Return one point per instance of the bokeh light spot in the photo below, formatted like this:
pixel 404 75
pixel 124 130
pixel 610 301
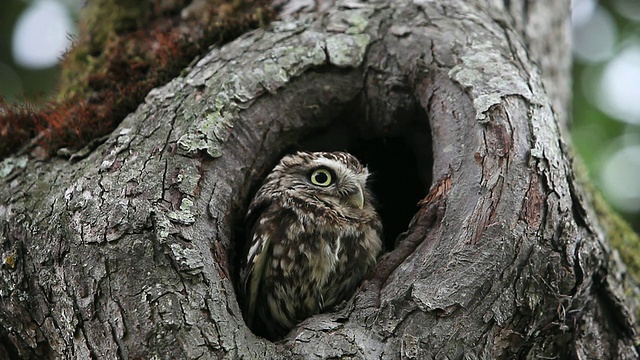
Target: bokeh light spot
pixel 620 178
pixel 41 34
pixel 594 37
pixel 619 90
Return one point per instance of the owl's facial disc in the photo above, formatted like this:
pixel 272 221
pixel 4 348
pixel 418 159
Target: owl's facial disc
pixel 356 199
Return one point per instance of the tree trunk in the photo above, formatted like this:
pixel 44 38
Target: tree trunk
pixel 131 251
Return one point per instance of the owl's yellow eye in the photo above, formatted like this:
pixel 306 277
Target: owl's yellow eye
pixel 321 177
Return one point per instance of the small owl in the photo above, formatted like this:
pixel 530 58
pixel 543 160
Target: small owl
pixel 314 234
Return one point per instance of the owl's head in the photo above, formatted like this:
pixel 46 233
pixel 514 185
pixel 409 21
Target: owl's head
pixel 336 179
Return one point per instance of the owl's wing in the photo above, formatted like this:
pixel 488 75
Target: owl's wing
pixel 255 270
pixel 256 259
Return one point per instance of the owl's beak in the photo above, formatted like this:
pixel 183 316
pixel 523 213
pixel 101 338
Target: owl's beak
pixel 356 199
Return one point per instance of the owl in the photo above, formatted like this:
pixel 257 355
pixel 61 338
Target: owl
pixel 314 234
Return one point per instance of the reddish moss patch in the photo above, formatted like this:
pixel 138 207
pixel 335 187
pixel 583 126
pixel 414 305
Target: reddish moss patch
pixel 125 49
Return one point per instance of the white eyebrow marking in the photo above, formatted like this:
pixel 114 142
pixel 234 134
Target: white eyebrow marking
pixel 337 166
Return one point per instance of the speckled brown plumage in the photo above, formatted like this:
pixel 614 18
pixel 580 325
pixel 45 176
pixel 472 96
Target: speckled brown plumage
pixel 314 234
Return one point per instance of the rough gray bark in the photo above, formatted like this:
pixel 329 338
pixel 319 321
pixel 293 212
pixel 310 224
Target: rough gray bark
pixel 129 252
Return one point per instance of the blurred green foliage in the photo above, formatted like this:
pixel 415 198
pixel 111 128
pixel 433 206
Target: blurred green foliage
pixel 596 134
